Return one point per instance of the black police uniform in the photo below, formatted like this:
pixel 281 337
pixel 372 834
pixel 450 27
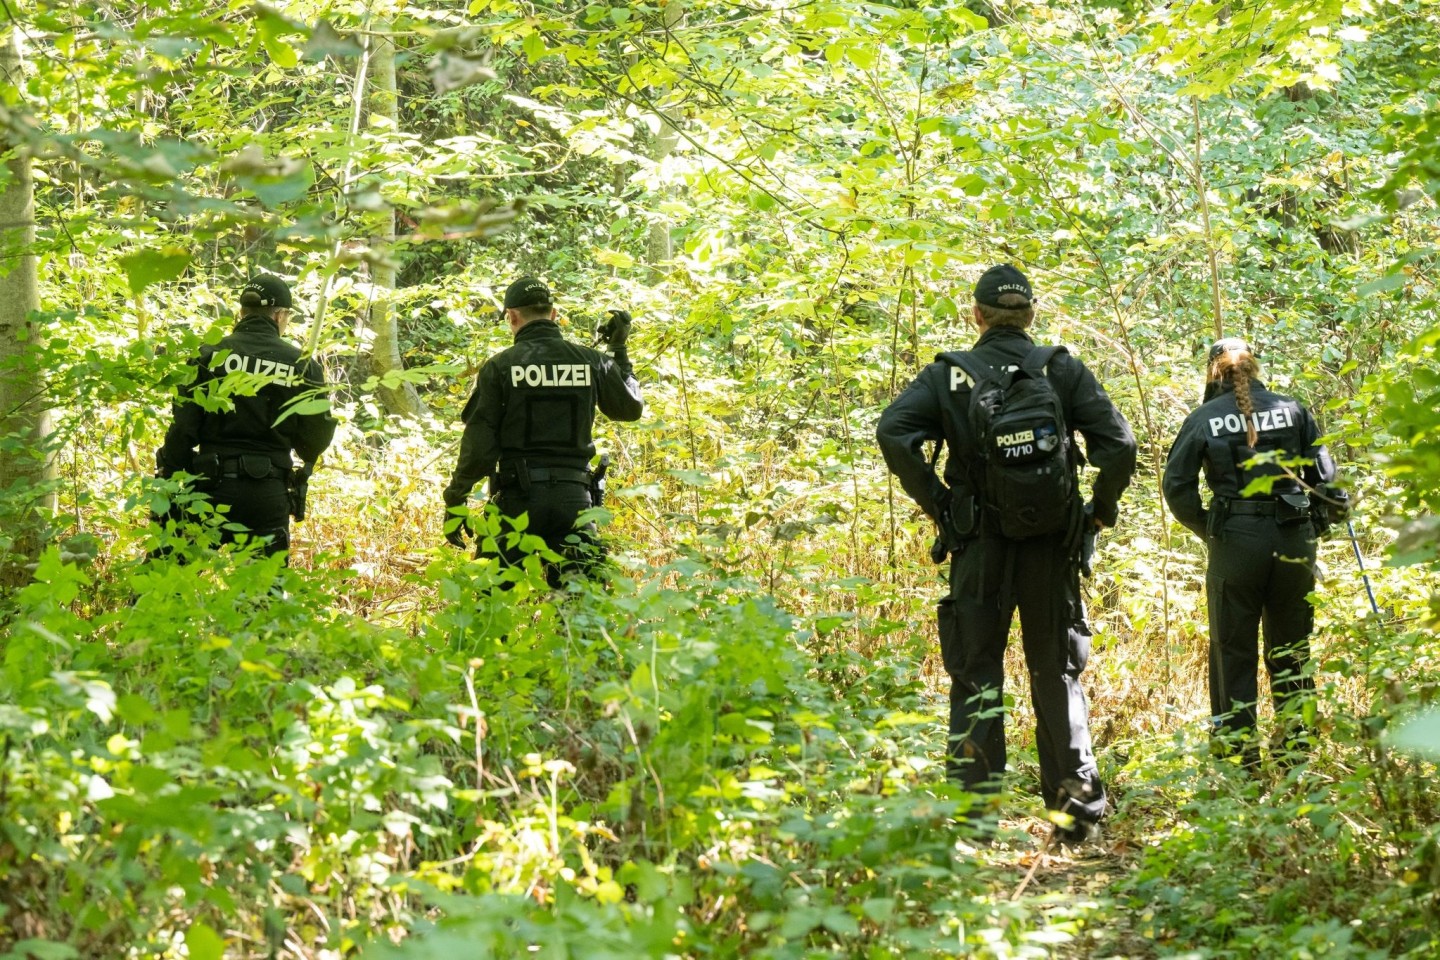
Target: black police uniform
pixel 1261 548
pixel 528 431
pixel 990 576
pixel 243 453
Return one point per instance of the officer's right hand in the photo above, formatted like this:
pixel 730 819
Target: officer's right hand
pixel 457 527
pixel 616 329
pixel 1089 533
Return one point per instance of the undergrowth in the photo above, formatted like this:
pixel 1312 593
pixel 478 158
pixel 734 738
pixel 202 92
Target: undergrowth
pixel 731 747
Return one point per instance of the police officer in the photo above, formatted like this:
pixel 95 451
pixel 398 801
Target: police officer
pixel 1261 541
pixel 990 575
pixel 236 423
pixel 528 425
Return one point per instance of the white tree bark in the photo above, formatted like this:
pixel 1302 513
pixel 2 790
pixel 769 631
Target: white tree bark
pixel 25 462
pixel 402 400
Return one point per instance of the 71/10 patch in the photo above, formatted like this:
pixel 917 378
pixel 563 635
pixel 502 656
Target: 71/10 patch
pixel 1028 444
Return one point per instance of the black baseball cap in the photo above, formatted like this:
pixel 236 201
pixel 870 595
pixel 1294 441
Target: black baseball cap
pixel 1002 279
pixel 527 292
pixel 1229 345
pixel 265 290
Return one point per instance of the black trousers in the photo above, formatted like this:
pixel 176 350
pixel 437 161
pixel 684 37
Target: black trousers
pixel 254 509
pixel 258 508
pixel 990 579
pixel 553 507
pixel 1259 573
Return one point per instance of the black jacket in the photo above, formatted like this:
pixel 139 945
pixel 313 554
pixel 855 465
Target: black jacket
pixel 1213 438
pixel 535 402
pixel 935 406
pixel 241 388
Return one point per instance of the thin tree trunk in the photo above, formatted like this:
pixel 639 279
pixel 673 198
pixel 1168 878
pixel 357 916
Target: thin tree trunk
pixel 26 497
pixel 402 400
pixel 659 248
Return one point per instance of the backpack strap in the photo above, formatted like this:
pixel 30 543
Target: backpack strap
pixel 974 369
pixel 1038 359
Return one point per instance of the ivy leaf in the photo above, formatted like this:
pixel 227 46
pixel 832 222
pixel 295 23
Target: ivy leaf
pixel 154 266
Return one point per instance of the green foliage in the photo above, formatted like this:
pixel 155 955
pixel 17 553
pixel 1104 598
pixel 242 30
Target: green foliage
pixel 1333 857
pixel 609 760
pixel 731 749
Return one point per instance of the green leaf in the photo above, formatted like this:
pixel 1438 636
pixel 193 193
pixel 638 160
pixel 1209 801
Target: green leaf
pixel 275 191
pixel 692 478
pixel 837 921
pixel 1391 281
pixel 1419 736
pixel 135 709
pixel 204 943
pixel 862 55
pixel 271 25
pixel 42 950
pixel 306 407
pixel 154 266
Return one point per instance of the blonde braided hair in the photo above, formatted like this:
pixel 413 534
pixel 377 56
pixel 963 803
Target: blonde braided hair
pixel 1238 365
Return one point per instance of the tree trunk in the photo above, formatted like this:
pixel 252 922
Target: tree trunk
pixel 25 463
pixel 401 400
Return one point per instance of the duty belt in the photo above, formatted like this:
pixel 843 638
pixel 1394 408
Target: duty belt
pixel 559 475
pixel 232 469
pixel 522 476
pixel 1254 507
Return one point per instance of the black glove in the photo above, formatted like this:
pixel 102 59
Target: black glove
pixel 615 330
pixel 1089 532
pixel 1329 506
pixel 457 527
pixel 940 549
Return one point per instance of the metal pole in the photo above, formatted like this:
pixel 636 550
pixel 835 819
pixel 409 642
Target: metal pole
pixel 1360 561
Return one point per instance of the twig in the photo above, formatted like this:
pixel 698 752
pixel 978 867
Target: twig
pixel 1039 859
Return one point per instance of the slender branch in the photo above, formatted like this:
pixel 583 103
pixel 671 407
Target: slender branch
pixel 1202 190
pixel 357 108
pixel 1132 355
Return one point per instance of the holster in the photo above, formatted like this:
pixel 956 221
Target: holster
pixel 964 518
pixel 517 478
pixel 959 521
pixel 206 467
pixel 597 481
pixel 513 475
pixel 297 489
pixel 1215 518
pixel 1292 509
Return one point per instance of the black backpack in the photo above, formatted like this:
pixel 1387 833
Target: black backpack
pixel 1025 458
